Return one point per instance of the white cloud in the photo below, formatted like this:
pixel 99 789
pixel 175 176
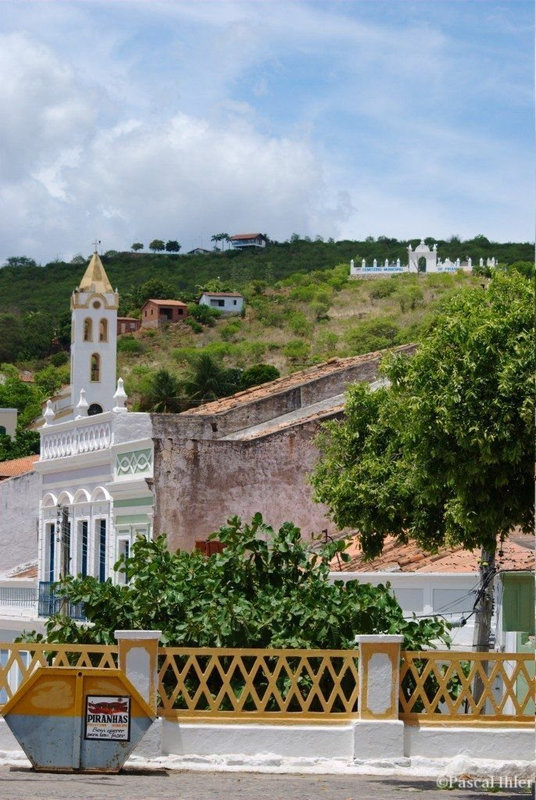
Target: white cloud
pixel 137 120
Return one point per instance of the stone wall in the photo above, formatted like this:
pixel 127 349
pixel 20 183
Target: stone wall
pixel 199 484
pixel 201 478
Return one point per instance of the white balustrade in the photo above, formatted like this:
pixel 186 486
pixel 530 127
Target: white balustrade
pixel 76 439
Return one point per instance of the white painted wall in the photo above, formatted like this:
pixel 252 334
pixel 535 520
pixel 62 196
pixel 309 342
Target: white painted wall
pixel 19 510
pixel 428 593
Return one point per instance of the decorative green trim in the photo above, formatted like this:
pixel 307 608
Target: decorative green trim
pixel 136 462
pixel 134 501
pixel 132 519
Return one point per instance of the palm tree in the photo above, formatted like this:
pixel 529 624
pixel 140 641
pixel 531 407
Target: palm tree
pixel 206 381
pixel 164 395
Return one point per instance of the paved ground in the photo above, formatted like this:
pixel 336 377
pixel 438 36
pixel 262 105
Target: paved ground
pixel 23 784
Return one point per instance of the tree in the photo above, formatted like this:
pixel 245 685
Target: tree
pixel 15 393
pixel 444 453
pixel 20 261
pixel 11 337
pixel 135 246
pixel 265 589
pixel 164 395
pixel 219 237
pixel 257 374
pixel 172 246
pixel 157 245
pixel 206 381
pixel 26 443
pixel 154 289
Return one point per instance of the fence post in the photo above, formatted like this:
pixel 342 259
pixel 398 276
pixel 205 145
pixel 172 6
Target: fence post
pixel 138 658
pixel 378 733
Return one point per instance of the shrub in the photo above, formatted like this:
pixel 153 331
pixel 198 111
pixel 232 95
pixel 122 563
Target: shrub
pixel 296 350
pixel 59 359
pixel 259 373
pixel 299 324
pixel 372 334
pixel 194 325
pixel 129 345
pixel 230 331
pixel 382 288
pixel 203 314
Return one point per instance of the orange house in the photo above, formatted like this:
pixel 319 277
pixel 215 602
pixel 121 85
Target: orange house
pixel 155 313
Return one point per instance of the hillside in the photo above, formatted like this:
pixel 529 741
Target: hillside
pixel 301 309
pixel 28 288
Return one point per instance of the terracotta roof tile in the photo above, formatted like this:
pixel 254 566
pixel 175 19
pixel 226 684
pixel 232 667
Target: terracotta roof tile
pixel 165 303
pixel 288 382
pixel 517 553
pixel 17 466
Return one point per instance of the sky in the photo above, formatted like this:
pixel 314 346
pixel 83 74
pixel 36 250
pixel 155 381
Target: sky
pixel 128 120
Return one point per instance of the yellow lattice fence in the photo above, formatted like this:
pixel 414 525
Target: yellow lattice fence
pixel 251 684
pixel 463 687
pixel 19 660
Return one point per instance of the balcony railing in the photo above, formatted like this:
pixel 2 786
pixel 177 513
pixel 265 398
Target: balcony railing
pixel 51 603
pixel 76 437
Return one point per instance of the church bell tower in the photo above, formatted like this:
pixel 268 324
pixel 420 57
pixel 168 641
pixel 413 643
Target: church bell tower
pixel 93 341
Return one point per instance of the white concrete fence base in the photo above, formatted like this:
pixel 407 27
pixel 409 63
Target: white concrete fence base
pixel 376 742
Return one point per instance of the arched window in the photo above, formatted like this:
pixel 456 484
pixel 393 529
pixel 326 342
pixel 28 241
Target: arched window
pixel 103 330
pixel 88 330
pixel 95 368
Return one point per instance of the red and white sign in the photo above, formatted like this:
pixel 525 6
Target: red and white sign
pixel 107 717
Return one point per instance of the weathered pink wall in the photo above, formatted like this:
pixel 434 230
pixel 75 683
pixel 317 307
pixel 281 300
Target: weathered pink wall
pixel 199 484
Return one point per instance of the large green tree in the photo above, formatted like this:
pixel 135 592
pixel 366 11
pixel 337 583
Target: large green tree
pixel 443 453
pixel 265 589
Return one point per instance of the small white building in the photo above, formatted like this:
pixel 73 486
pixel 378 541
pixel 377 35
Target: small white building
pixel 8 421
pixel 225 302
pixel 422 259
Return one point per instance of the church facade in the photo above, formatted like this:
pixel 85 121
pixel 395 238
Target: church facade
pixel 95 455
pixel 107 475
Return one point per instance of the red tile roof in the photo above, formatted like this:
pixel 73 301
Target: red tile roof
pixel 517 554
pixel 246 236
pixel 17 466
pixel 166 303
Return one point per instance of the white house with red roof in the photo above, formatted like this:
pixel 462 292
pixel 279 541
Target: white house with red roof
pixel 224 302
pixel 243 240
pixel 446 583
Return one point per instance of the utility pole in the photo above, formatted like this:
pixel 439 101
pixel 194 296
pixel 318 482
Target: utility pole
pixel 484 612
pixel 65 550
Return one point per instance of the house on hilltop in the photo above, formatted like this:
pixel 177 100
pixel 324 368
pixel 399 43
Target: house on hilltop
pixel 243 240
pixel 225 302
pixel 156 313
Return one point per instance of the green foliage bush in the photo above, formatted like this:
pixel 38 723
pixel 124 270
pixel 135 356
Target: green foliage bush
pixel 203 314
pixel 372 334
pixel 130 345
pixel 382 287
pixel 265 589
pixel 194 325
pixel 296 350
pixel 298 323
pixel 258 373
pixel 231 330
pixel 59 359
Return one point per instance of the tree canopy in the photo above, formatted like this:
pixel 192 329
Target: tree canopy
pixel 443 453
pixel 265 588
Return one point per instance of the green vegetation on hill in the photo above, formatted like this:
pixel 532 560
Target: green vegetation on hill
pixel 301 308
